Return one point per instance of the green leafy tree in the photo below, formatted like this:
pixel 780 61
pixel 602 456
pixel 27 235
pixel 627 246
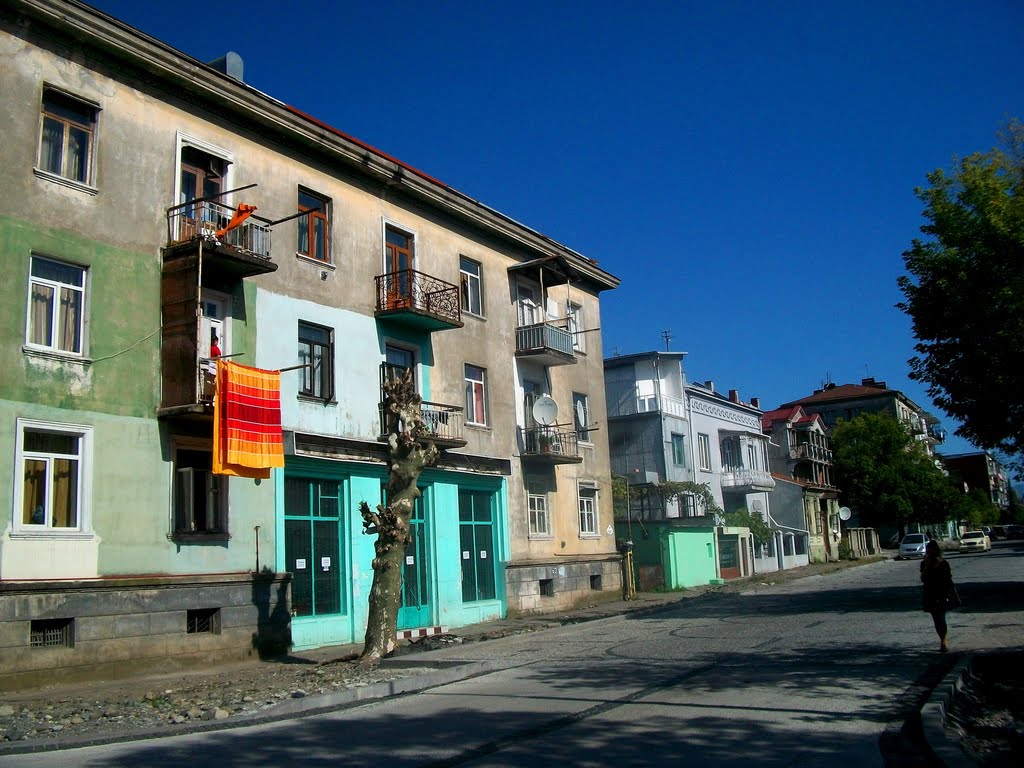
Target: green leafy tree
pixel 887 476
pixel 744 518
pixel 964 293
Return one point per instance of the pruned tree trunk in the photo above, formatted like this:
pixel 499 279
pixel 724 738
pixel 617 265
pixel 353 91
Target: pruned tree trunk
pixel 408 454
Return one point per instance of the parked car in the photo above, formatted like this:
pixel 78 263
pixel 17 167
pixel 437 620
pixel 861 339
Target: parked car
pixel 998 532
pixel 975 541
pixel 1015 531
pixel 912 545
pixel 987 531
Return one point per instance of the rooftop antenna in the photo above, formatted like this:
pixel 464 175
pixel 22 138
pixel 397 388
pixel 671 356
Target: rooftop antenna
pixel 667 336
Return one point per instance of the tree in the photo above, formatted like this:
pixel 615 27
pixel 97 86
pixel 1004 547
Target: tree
pixel 408 454
pixel 887 476
pixel 965 294
pixel 744 518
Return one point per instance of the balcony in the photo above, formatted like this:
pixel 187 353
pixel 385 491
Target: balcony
pixel 547 343
pixel 197 228
pixel 551 445
pixel 810 452
pixel 632 404
pixel 418 300
pixel 442 425
pixel 747 480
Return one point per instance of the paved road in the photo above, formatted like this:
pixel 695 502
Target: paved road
pixel 800 674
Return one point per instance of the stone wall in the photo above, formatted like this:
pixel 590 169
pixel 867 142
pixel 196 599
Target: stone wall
pixel 105 629
pixel 545 587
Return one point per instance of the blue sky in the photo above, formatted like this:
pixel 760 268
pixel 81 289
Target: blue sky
pixel 746 168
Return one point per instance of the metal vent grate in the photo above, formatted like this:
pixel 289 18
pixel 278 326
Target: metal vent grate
pixel 203 620
pixel 52 633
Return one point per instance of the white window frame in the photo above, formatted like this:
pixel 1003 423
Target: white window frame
pixel 539 515
pixel 680 460
pixel 57 288
pixel 575 326
pixel 182 140
pixel 474 285
pixel 587 507
pixel 88 183
pixel 475 386
pixel 582 430
pixel 85 460
pixel 704 451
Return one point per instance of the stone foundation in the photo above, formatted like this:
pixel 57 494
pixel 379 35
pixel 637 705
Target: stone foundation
pixel 106 629
pixel 543 587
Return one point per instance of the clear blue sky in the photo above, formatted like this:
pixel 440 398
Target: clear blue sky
pixel 746 168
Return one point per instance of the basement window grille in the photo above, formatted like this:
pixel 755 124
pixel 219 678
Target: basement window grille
pixel 595 582
pixel 547 588
pixel 52 633
pixel 203 621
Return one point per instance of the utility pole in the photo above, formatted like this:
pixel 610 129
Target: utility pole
pixel 667 336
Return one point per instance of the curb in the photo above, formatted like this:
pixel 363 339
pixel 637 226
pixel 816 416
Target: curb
pixel 941 741
pixel 434 674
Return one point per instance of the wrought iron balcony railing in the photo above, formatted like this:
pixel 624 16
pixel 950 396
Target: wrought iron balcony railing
pixel 554 443
pixel 442 423
pixel 812 452
pixel 205 218
pixel 409 291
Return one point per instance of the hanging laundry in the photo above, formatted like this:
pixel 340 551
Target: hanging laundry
pixel 242 212
pixel 247 440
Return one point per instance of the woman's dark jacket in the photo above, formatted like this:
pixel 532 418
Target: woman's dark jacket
pixel 938 584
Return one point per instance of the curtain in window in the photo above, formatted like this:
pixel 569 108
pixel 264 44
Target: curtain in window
pixel 69 321
pixel 65 493
pixel 34 492
pixel 78 154
pixel 41 312
pixel 51 145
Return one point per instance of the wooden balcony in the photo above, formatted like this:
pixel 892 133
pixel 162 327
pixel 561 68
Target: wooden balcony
pixel 547 343
pixel 418 300
pixel 810 452
pixel 551 445
pixel 443 425
pixel 196 229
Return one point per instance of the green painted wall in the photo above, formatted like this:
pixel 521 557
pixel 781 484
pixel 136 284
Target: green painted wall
pixel 689 557
pixel 122 334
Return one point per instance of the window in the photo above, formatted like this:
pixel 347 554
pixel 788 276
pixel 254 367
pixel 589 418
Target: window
pixel 200 497
pixel 731 454
pixel 687 505
pixel 581 416
pixel 52 633
pixel 476 395
pixel 54 464
pixel 574 321
pixel 314 227
pixel 316 351
pixel 476 537
pixel 470 275
pixel 67 136
pixel 56 306
pixel 679 449
pixel 312 545
pixel 202 621
pixel 704 452
pixel 588 511
pixel 538 506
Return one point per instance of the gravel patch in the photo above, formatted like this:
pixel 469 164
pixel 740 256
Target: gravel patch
pixel 989 710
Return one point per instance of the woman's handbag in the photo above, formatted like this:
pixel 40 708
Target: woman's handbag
pixel 953 597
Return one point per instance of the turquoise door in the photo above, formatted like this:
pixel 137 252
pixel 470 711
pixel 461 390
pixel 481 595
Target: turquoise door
pixel 415 609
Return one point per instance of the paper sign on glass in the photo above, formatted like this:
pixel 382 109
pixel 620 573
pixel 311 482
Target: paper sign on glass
pixel 300 564
pixel 483 554
pixel 409 559
pixel 325 563
pixel 465 555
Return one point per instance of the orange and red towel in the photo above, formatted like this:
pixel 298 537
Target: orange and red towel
pixel 247 421
pixel 242 212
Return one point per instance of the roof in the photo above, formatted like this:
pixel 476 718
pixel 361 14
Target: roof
pixel 616 360
pixel 794 414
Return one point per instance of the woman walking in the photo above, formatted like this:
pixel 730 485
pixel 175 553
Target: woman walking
pixel 939 593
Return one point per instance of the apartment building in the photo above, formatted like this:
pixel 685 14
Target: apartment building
pixel 162 214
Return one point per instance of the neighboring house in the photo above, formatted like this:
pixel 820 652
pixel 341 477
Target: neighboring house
pixel 355 266
pixel 980 470
pixel 845 401
pixel 662 429
pixel 800 458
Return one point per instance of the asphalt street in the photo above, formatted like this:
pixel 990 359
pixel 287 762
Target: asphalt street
pixel 806 673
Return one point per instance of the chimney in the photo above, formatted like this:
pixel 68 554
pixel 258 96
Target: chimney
pixel 230 64
pixel 756 402
pixel 709 384
pixel 734 396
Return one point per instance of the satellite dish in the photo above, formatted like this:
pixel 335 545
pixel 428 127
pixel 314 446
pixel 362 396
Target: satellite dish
pixel 545 410
pixel 581 413
pixel 844 513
